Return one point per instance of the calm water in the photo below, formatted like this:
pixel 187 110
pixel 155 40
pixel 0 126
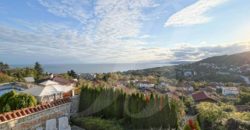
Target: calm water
pixel 95 68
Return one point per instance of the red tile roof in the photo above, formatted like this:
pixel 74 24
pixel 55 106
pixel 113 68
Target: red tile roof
pixel 62 81
pixel 201 96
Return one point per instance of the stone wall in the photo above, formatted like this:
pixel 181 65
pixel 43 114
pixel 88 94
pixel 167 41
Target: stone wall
pixel 34 117
pixel 75 104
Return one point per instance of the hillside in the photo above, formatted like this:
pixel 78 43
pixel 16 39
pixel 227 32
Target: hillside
pixel 225 68
pixel 235 59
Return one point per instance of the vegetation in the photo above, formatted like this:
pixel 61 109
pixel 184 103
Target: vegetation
pixel 136 110
pixel 38 71
pixel 72 74
pixel 244 98
pixel 18 74
pixel 5 78
pixel 213 116
pixel 235 59
pixel 95 123
pixel 192 125
pixel 3 67
pixel 13 101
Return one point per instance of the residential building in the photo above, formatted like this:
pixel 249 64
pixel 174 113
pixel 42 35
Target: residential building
pixel 52 89
pixel 145 84
pixel 29 79
pixel 202 97
pixel 229 91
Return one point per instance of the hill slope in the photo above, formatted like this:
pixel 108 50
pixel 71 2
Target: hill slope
pixel 235 59
pixel 219 68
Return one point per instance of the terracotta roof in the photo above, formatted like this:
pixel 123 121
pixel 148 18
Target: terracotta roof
pixel 62 81
pixel 27 111
pixel 199 96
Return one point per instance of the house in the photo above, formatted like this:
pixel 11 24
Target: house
pixel 145 84
pixel 29 79
pixel 202 97
pixel 188 73
pixel 229 91
pixel 49 91
pixel 29 82
pixel 162 85
pixel 188 88
pixel 52 88
pixel 45 94
pixel 61 83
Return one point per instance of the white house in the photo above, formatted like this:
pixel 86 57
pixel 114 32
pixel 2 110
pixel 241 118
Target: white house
pixel 44 94
pixel 29 79
pixel 188 88
pixel 52 89
pixel 49 91
pixel 229 91
pixel 145 84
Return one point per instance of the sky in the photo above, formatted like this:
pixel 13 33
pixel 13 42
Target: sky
pixel 121 31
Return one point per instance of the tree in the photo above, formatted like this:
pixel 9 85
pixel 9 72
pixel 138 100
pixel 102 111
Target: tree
pixel 39 70
pixel 244 98
pixel 3 67
pixel 72 73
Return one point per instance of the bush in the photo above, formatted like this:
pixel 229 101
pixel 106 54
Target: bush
pixel 192 125
pixel 5 78
pixel 244 98
pixel 210 112
pixel 13 101
pixel 94 123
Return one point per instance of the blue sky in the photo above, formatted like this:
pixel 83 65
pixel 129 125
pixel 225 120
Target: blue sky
pixel 121 31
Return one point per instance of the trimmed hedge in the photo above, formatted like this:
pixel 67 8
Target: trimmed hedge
pixel 137 110
pixel 94 123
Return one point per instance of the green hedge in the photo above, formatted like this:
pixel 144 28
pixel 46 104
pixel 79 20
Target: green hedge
pixel 94 123
pixel 137 110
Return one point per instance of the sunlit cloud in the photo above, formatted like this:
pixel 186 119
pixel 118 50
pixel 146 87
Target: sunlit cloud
pixel 193 14
pixel 108 31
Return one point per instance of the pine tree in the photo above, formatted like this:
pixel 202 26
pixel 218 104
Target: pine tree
pixel 38 71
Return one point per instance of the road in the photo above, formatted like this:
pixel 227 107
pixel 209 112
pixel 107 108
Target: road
pixel 246 79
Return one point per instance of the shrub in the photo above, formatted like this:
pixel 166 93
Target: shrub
pixel 13 101
pixel 210 112
pixel 192 125
pixel 5 78
pixel 94 123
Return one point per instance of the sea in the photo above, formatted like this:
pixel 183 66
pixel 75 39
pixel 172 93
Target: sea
pixel 94 68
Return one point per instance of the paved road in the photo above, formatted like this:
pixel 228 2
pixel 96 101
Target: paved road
pixel 246 79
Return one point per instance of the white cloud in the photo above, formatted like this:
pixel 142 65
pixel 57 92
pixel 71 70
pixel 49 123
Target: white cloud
pixel 69 46
pixel 112 36
pixel 194 53
pixel 193 14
